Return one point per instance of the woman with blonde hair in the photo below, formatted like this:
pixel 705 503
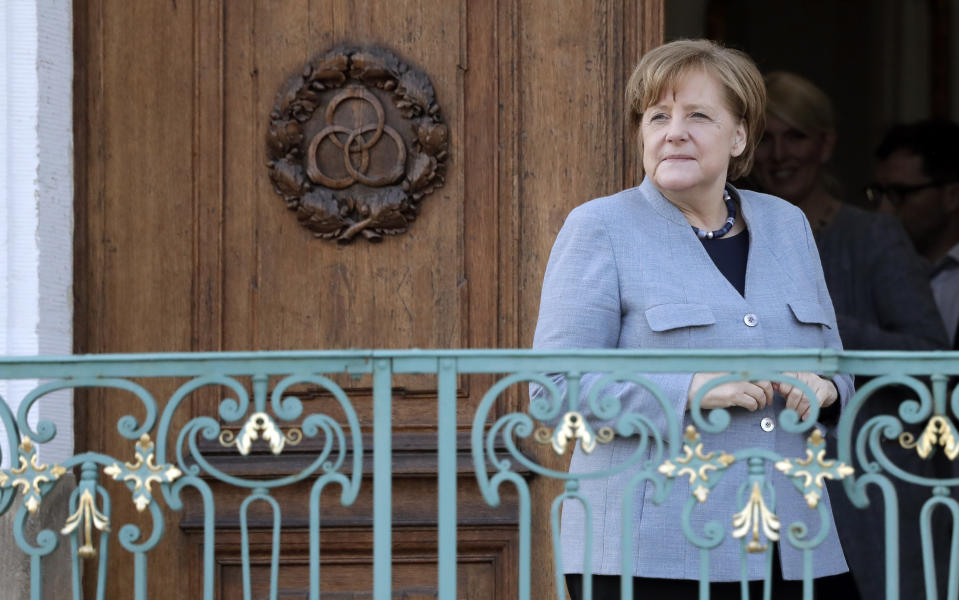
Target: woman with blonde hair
pixel 684 261
pixel 880 290
pixel 877 282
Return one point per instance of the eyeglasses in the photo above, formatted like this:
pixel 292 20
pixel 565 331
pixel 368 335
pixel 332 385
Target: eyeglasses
pixel 895 194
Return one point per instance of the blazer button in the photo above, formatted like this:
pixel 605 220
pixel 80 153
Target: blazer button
pixel 751 320
pixel 767 424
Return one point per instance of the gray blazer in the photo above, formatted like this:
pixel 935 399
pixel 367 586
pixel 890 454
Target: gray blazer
pixel 627 271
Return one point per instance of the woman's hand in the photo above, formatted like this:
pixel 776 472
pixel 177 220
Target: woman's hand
pixel 824 389
pixel 751 395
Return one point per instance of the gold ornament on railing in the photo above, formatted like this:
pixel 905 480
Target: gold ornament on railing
pixel 89 517
pixel 572 428
pixel 30 475
pixel 696 464
pixel 810 473
pixel 143 472
pixel 939 431
pixel 260 425
pixel 755 516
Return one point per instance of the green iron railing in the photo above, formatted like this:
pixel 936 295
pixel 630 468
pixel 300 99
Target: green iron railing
pixel 260 406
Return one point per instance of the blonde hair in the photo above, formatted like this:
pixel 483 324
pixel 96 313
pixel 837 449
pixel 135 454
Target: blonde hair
pixel 663 67
pixel 799 103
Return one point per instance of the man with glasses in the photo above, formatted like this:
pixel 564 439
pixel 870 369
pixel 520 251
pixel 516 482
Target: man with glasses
pixel 917 180
pixel 917 177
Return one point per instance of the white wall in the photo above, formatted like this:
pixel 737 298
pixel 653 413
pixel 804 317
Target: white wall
pixel 36 199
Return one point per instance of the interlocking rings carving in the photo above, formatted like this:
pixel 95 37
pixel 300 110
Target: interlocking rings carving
pixel 355 143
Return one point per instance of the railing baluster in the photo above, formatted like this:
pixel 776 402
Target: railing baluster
pixel 315 543
pixel 36 581
pixel 524 539
pixel 140 575
pixel 209 533
pixel 768 582
pixel 382 479
pixel 275 551
pixel 46 543
pixel 807 586
pixel 704 574
pixel 104 556
pixel 75 561
pixel 446 451
pixel 245 548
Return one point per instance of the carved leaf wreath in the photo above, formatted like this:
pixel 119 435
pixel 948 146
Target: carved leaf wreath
pixel 343 214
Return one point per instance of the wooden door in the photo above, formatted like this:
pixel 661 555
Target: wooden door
pixel 182 244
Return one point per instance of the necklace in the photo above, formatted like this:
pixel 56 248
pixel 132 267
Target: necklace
pixel 730 220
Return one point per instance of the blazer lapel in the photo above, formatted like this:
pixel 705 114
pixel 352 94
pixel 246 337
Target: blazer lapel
pixel 686 250
pixel 765 265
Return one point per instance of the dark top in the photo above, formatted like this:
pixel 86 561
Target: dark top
pixel 729 254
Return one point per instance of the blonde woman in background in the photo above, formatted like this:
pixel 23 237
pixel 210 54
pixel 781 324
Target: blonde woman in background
pixel 878 284
pixel 880 290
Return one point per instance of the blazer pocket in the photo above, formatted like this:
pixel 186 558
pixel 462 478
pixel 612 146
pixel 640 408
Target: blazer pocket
pixel 811 313
pixel 664 317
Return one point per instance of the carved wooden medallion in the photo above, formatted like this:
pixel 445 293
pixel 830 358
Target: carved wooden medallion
pixel 355 143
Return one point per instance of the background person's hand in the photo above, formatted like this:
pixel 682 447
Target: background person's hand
pixel 751 395
pixel 824 389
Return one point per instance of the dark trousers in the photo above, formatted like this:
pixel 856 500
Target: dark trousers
pixel 606 587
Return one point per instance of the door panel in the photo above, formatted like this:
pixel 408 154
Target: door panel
pixel 183 245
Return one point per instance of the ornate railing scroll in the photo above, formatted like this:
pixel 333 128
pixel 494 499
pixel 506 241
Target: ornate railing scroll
pixel 928 400
pixel 258 414
pixel 579 403
pixel 728 492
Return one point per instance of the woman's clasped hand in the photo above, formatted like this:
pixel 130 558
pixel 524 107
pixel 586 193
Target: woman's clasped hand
pixel 756 395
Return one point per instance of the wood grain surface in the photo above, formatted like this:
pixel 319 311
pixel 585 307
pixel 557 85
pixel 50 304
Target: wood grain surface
pixel 182 244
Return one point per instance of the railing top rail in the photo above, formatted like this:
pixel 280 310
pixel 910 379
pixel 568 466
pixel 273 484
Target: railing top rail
pixel 184 364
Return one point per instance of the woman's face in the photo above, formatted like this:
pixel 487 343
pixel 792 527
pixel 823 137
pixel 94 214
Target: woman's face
pixel 788 161
pixel 689 135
